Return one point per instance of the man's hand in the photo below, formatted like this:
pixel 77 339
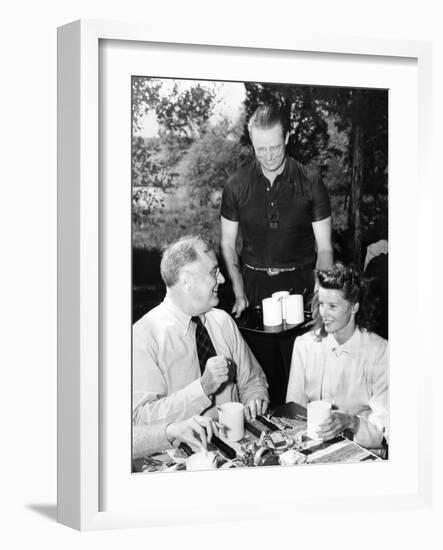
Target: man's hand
pixel 241 303
pixel 196 431
pixel 255 407
pixel 337 422
pixel 215 374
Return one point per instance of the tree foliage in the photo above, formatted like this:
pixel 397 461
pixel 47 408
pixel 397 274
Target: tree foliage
pixel 182 115
pixel 210 161
pixel 145 96
pixel 181 112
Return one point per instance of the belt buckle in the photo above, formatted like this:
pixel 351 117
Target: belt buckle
pixel 272 271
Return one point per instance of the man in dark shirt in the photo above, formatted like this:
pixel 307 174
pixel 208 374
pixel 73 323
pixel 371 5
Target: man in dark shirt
pixel 284 216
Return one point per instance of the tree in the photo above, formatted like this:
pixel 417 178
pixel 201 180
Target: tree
pixel 145 95
pixel 182 114
pixel 365 113
pixel 151 178
pixel 211 160
pixel 205 169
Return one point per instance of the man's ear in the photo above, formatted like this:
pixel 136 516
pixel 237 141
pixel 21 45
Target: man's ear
pixel 185 279
pixel 355 307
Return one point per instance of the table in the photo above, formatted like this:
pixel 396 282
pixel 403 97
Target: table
pixel 272 347
pixel 290 421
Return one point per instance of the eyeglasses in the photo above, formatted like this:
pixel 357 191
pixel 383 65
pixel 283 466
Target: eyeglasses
pixel 274 151
pixel 215 272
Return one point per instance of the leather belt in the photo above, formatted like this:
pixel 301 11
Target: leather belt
pixel 271 271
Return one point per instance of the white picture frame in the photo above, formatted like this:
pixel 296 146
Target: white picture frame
pixel 81 211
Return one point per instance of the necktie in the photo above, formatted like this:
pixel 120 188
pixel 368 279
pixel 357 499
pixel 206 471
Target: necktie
pixel 205 348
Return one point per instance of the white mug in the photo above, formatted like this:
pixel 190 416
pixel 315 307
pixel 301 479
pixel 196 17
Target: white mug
pixel 231 417
pixel 272 315
pixel 281 295
pixel 318 413
pixel 294 309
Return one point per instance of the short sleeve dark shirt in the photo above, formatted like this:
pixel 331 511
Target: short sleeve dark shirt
pixel 298 198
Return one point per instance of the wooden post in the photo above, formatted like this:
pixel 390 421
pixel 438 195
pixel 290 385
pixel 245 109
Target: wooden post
pixel 356 194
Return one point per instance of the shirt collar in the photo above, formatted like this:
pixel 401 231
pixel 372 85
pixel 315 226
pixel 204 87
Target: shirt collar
pixel 183 319
pixel 259 171
pixel 350 346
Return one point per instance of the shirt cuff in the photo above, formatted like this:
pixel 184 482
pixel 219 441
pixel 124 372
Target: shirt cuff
pixel 197 394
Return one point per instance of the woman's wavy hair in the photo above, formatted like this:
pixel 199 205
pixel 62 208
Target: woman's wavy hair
pixel 355 288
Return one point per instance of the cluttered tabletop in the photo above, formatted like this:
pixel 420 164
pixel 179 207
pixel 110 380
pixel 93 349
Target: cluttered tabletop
pixel 278 438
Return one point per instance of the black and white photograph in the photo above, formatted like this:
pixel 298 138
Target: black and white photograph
pixel 259 274
pixel 187 365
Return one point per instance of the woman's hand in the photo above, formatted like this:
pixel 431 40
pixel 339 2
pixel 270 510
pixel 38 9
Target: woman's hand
pixel 196 431
pixel 337 423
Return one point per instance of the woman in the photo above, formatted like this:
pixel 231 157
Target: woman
pixel 342 361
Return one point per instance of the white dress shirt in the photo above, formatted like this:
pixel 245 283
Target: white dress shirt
pixel 353 377
pixel 166 371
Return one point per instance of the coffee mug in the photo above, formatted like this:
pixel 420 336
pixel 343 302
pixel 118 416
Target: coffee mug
pixel 281 295
pixel 318 413
pixel 272 312
pixel 231 417
pixel 293 305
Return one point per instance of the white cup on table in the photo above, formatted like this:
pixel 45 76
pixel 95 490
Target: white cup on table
pixel 272 312
pixel 293 305
pixel 231 417
pixel 318 413
pixel 281 295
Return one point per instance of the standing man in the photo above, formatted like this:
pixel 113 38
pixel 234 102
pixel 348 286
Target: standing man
pixel 284 216
pixel 188 356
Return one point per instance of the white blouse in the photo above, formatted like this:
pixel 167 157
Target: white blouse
pixel 353 377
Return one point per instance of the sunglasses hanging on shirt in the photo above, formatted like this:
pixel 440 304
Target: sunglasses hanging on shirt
pixel 273 216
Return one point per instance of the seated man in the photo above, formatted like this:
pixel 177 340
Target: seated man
pixel 188 357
